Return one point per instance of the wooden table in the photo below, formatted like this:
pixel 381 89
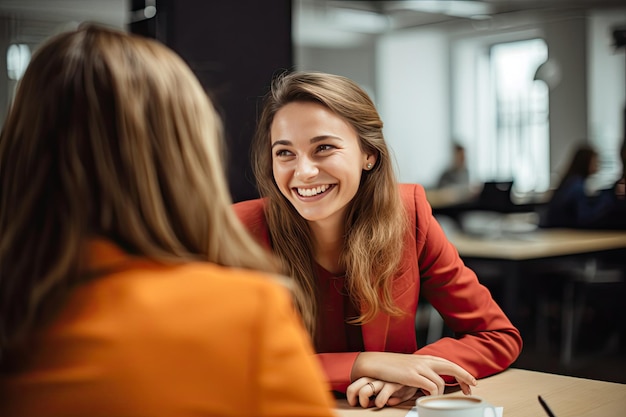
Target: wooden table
pixel 540 243
pixel 516 390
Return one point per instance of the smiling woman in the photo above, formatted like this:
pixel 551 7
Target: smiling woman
pixel 317 164
pixel 361 249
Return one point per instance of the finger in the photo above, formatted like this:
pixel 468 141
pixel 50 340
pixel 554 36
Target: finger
pixel 454 370
pixel 406 394
pixel 437 380
pixel 467 390
pixel 385 394
pixel 393 394
pixel 433 382
pixel 366 394
pixel 351 399
pixel 352 393
pixel 393 401
pixel 364 398
pixel 426 384
pixel 466 385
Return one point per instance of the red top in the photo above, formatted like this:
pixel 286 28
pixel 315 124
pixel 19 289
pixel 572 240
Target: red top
pixel 333 332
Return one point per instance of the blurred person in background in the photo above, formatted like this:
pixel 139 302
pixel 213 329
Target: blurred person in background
pixel 616 216
pixel 457 174
pixel 571 204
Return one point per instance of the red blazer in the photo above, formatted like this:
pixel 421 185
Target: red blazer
pixel 486 342
pixel 145 339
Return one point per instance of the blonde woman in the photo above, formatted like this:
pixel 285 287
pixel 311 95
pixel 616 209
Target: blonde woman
pixel 362 249
pixel 128 286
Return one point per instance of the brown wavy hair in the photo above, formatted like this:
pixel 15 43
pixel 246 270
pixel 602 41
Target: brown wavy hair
pixel 110 135
pixel 376 219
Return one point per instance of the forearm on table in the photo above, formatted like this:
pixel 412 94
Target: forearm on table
pixel 482 354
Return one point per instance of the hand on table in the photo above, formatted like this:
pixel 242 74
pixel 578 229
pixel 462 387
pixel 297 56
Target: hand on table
pixel 368 392
pixel 411 370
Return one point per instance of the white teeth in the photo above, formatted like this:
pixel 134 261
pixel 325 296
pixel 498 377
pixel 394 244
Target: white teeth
pixel 310 192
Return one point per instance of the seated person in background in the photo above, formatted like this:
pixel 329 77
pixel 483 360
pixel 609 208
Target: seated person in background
pixel 456 174
pixel 128 284
pixel 362 248
pixel 620 185
pixel 615 218
pixel 571 205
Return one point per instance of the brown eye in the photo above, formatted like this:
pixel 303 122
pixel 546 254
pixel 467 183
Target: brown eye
pixel 323 148
pixel 283 153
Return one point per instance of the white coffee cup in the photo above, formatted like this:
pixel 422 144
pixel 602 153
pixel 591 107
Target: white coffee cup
pixel 453 406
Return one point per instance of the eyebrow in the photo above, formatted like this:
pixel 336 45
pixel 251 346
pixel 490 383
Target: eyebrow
pixel 312 141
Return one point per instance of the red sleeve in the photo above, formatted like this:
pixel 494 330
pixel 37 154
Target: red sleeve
pixel 252 214
pixel 486 342
pixel 338 367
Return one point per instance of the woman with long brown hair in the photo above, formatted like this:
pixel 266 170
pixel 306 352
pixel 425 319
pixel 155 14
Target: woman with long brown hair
pixel 362 248
pixel 127 284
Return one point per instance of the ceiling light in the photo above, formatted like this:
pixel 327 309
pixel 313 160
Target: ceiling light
pixel 457 8
pixel 359 20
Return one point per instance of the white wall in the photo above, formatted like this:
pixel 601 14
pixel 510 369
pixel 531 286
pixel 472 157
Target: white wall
pixel 566 39
pixel 4 77
pixel 357 62
pixel 607 89
pixel 414 101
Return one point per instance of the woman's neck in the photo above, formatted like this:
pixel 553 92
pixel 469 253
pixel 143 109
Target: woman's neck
pixel 328 244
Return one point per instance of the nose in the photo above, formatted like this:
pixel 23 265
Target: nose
pixel 305 169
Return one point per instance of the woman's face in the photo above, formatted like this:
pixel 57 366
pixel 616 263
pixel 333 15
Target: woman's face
pixel 317 161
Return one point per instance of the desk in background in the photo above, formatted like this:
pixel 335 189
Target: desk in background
pixel 509 250
pixel 538 244
pixel 454 201
pixel 516 390
pixel 441 198
pixel 513 251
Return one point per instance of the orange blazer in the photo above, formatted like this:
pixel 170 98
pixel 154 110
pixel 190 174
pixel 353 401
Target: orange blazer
pixel 485 341
pixel 195 339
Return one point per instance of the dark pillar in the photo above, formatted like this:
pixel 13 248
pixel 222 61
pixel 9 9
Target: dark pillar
pixel 235 48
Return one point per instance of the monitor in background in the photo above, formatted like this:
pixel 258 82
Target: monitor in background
pixel 496 196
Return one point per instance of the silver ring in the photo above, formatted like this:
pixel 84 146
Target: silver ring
pixel 373 389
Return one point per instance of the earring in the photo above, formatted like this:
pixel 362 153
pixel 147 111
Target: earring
pixel 369 165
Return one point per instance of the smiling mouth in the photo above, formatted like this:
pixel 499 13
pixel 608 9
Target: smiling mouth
pixel 312 192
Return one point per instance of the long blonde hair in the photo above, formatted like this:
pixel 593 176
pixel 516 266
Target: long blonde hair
pixel 110 135
pixel 376 221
